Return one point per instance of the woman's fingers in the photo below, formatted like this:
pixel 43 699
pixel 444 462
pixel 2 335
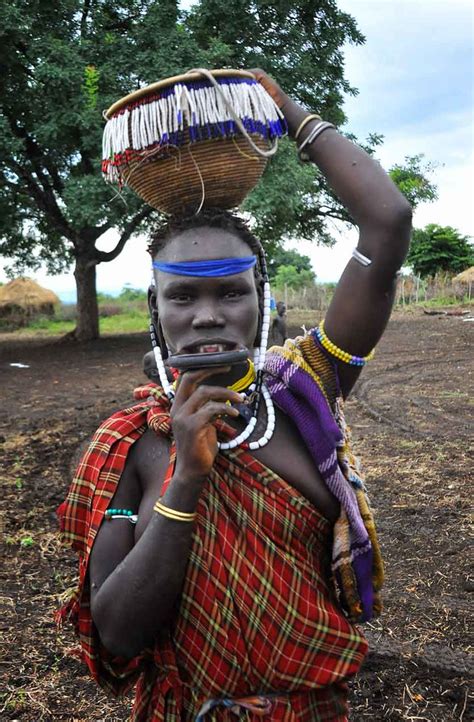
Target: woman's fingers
pixel 190 380
pixel 192 394
pixel 203 395
pixel 211 411
pixel 272 88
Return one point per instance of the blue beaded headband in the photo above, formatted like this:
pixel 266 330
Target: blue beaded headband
pixel 208 269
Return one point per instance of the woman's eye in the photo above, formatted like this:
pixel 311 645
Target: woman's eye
pixel 231 295
pixel 181 298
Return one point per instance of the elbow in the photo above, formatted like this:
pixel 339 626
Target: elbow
pixel 404 216
pixel 392 229
pixel 114 636
pixel 402 225
pixel 118 646
pixel 122 634
pixel 390 219
pixel 396 218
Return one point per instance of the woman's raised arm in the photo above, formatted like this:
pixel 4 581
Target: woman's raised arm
pixel 362 302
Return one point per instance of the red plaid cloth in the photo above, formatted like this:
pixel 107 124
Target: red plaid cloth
pixel 257 613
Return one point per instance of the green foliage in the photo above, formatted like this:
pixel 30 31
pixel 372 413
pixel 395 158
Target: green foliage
pixel 441 301
pixel 91 85
pixel 293 278
pixel 412 179
pixel 132 321
pixel 104 297
pixel 132 294
pixel 281 257
pixel 301 213
pixel 439 248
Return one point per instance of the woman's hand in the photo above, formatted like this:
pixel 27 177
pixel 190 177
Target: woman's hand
pixel 272 88
pixel 194 409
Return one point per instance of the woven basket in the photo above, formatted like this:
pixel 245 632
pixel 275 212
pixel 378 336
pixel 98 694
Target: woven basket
pixel 182 172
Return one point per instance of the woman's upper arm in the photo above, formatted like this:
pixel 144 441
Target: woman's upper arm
pixel 362 302
pixel 116 537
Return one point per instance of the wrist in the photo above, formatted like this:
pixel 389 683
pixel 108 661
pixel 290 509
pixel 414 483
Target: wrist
pixel 184 478
pixel 183 492
pixel 294 116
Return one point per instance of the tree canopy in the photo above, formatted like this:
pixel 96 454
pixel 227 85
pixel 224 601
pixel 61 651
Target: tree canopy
pixel 439 248
pixel 293 277
pixel 62 63
pixel 283 257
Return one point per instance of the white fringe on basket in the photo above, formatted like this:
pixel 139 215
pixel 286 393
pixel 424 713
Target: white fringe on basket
pixel 153 122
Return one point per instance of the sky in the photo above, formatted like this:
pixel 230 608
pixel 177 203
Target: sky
pixel 415 76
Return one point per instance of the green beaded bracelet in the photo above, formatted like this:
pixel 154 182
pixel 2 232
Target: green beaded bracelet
pixel 121 513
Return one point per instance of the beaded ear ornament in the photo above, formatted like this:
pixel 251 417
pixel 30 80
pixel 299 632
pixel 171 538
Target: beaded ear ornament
pixel 257 389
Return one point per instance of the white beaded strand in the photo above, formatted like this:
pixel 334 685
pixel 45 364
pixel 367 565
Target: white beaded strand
pixel 167 387
pixel 259 353
pixel 144 125
pixel 259 360
pixel 270 422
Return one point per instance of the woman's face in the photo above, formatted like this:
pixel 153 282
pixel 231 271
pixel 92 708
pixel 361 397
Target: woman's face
pixel 206 314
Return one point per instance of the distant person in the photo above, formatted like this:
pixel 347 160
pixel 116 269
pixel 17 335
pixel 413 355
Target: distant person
pixel 278 331
pixel 149 367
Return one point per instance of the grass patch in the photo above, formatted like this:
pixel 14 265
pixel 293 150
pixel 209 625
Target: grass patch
pixel 46 327
pixel 441 301
pixel 131 322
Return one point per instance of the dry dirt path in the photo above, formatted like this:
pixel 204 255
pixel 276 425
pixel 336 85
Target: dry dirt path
pixel 410 416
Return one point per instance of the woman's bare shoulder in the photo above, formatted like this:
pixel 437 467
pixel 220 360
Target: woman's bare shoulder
pixel 149 458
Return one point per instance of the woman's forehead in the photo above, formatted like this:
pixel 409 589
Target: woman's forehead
pixel 203 243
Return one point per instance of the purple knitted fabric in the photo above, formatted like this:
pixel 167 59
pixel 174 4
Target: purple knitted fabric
pixel 299 394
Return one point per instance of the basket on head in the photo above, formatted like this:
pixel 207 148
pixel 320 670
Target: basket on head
pixel 193 140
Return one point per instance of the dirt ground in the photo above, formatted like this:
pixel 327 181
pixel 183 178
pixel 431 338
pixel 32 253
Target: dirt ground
pixel 410 419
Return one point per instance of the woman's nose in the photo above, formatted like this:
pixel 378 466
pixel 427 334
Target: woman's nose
pixel 208 317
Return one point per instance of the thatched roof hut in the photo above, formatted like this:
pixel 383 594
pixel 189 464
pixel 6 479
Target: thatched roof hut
pixel 23 299
pixel 466 276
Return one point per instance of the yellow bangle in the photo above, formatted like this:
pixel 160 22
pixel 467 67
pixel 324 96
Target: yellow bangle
pixel 305 121
pixel 173 513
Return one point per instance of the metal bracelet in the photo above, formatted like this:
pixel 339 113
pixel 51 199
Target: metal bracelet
pixel 304 123
pixel 311 137
pixel 360 258
pixel 133 518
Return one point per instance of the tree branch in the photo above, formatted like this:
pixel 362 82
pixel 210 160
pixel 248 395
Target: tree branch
pixel 131 226
pixel 84 16
pixel 37 158
pixel 99 230
pixel 340 215
pixel 86 163
pixel 45 202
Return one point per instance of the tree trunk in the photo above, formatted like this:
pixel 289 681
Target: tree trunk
pixel 87 325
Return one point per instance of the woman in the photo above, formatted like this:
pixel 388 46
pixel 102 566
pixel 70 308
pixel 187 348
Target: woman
pixel 221 598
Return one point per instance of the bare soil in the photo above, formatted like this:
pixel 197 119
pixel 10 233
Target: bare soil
pixel 411 421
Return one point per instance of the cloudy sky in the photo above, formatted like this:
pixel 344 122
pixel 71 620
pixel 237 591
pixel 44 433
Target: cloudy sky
pixel 415 81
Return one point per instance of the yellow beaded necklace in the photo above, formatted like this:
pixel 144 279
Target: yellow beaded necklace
pixel 242 383
pixel 245 381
